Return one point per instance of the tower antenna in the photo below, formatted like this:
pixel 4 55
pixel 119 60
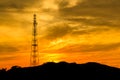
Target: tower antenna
pixel 34 60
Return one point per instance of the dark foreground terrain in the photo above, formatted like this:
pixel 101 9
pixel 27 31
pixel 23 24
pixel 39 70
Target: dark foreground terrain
pixel 62 71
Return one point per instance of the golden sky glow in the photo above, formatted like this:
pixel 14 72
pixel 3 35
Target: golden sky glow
pixel 68 30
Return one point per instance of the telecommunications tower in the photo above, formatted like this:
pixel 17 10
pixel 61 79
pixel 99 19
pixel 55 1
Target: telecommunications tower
pixel 34 57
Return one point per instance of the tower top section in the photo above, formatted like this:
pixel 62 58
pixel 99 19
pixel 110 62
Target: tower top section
pixel 34 16
pixel 35 22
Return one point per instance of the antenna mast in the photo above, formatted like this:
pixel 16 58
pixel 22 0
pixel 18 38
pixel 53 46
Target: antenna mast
pixel 34 54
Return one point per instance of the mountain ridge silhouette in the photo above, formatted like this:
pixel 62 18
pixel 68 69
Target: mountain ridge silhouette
pixel 62 71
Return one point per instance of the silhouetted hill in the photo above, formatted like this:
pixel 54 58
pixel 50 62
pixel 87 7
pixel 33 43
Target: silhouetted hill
pixel 62 71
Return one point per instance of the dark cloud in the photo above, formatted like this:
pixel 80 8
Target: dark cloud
pixel 97 8
pixel 7 58
pixel 105 12
pixel 15 4
pixel 89 48
pixel 62 29
pixel 57 31
pixel 62 3
pixel 93 22
pixel 89 31
pixel 11 10
pixel 7 19
pixel 101 47
pixel 5 48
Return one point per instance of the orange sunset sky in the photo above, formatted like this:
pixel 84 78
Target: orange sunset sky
pixel 68 30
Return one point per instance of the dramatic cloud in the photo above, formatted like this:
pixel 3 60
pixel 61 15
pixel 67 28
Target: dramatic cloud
pixel 94 14
pixel 58 31
pixel 6 48
pixel 15 4
pixel 94 8
pixel 7 58
pixel 78 48
pixel 105 12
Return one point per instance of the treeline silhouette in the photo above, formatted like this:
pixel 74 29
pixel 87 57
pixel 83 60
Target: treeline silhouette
pixel 62 71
